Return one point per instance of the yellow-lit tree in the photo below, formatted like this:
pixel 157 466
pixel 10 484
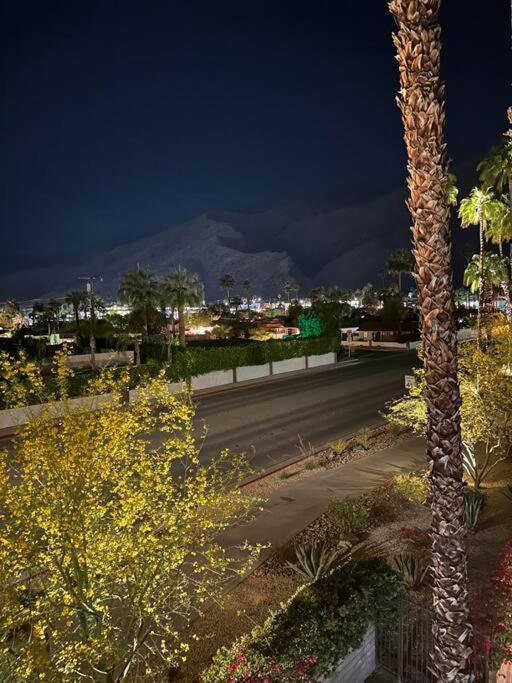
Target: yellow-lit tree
pixel 109 541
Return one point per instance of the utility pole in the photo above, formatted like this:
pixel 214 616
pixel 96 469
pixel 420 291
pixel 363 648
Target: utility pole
pixel 89 290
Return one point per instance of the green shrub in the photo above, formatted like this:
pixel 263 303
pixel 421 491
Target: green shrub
pixel 350 515
pixel 410 487
pixel 321 623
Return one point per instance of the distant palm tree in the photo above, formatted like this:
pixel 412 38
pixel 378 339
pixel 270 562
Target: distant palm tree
pixel 400 261
pixel 247 290
pixel 183 289
pixel 237 302
pixel 477 209
pixel 76 300
pixel 494 270
pixel 499 230
pixel 288 288
pixel 421 101
pixel 496 168
pixel 227 281
pixel 139 289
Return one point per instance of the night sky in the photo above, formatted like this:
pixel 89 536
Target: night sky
pixel 120 118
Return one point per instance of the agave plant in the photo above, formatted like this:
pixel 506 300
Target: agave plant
pixel 479 471
pixel 473 501
pixel 315 560
pixel 411 568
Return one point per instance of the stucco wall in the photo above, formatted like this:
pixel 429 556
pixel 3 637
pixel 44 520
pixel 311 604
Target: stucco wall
pixel 288 365
pixel 212 379
pixel 358 664
pixel 323 359
pixel 252 372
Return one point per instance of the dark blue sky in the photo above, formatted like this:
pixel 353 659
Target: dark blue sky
pixel 121 117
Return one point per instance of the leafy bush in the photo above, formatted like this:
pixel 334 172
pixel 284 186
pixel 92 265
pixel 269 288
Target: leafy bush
pixel 411 487
pixel 473 501
pixel 351 516
pixel 411 569
pixel 321 623
pixel 314 560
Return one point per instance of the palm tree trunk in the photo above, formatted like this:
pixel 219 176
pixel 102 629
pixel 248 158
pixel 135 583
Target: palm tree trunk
pixel 181 324
pixel 505 286
pixel 77 318
pixel 399 284
pixel 481 285
pixel 421 101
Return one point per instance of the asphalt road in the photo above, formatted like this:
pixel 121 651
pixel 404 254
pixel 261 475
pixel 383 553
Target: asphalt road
pixel 264 420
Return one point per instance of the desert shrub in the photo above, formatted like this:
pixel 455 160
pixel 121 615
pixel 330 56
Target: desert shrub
pixel 321 623
pixel 411 487
pixel 312 465
pixel 350 515
pixel 363 438
pixel 339 447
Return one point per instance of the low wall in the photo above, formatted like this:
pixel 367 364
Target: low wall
pixel 358 664
pixel 323 359
pixel 101 359
pixel 18 416
pixel 288 365
pixel 247 372
pixel 10 419
pixel 212 379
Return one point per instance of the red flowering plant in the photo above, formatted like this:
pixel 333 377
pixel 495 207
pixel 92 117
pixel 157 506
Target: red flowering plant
pixel 492 614
pixel 420 537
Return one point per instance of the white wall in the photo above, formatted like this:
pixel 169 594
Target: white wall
pixel 17 416
pixel 323 359
pixel 288 365
pixel 252 372
pixel 359 663
pixel 105 358
pixel 212 379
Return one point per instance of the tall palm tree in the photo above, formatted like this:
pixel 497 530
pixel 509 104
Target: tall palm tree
pixel 227 281
pixel 247 290
pixel 139 289
pixel 421 101
pixel 477 209
pixel 400 262
pixel 76 300
pixel 184 289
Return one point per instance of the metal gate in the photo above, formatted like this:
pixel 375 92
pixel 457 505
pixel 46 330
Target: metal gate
pixel 404 649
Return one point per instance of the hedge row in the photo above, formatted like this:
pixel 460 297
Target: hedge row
pixel 190 362
pixel 319 626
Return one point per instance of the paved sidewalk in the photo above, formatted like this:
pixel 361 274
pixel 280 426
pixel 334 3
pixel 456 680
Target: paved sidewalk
pixel 296 505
